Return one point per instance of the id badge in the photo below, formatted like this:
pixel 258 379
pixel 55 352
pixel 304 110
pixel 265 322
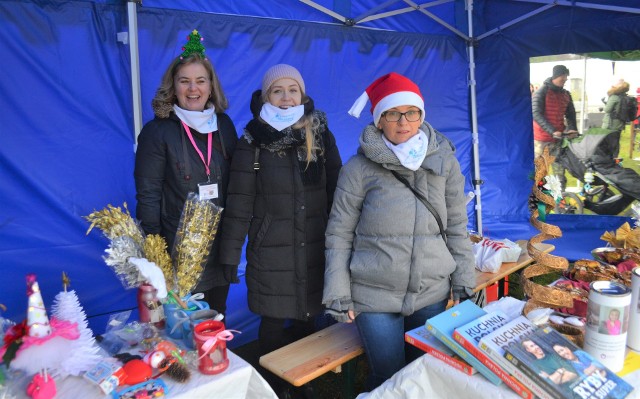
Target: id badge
pixel 207 191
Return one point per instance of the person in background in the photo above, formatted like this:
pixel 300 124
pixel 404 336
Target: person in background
pixel 283 177
pixel 554 117
pixel 611 119
pixel 390 264
pixel 188 144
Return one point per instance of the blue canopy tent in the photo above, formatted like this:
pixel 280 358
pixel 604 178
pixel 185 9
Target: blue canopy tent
pixel 69 124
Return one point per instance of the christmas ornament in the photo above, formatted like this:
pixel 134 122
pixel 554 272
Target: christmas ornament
pixel 39 351
pixel 193 45
pixel 37 320
pixel 84 354
pixel 545 263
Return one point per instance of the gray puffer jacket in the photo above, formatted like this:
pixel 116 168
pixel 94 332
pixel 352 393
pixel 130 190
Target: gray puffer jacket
pixel 384 249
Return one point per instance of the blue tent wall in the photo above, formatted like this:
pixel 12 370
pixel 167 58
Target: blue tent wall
pixel 66 140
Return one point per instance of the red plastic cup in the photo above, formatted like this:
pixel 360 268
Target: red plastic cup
pixel 212 351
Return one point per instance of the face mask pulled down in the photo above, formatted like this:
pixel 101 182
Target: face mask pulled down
pixel 412 152
pixel 279 118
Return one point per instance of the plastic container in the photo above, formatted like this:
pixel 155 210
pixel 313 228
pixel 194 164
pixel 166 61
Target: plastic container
pixel 212 351
pixel 178 318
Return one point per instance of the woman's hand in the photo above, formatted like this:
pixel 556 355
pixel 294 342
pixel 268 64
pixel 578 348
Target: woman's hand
pixel 352 316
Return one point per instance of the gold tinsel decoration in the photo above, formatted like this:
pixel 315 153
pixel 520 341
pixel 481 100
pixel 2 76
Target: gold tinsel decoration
pixel 194 238
pixel 545 263
pixel 155 250
pixel 115 223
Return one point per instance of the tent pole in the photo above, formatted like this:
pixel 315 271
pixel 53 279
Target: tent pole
pixel 474 119
pixel 132 14
pixel 583 115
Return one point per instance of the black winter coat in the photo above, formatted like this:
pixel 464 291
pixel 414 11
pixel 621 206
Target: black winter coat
pixel 162 181
pixel 285 221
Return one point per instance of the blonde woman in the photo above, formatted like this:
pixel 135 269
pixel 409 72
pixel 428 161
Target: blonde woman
pixel 283 176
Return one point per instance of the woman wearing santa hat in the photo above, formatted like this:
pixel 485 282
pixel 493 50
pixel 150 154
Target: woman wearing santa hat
pixel 283 176
pixel 397 241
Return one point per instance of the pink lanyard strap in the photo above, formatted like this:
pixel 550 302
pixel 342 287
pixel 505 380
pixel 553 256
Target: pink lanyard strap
pixel 193 143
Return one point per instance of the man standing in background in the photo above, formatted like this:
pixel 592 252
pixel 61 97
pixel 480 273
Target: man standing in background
pixel 554 117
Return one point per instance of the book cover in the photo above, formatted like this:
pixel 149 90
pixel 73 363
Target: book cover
pixel 565 370
pixel 469 335
pixel 422 339
pixel 443 324
pixel 493 345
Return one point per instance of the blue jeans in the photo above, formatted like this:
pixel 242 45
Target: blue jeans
pixel 382 336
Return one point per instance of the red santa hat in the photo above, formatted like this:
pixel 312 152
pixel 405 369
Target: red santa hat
pixel 386 92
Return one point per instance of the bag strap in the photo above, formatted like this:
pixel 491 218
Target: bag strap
pixel 424 201
pixel 256 159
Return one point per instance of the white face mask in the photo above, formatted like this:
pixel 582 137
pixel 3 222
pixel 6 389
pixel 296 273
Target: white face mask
pixel 279 118
pixel 202 121
pixel 411 153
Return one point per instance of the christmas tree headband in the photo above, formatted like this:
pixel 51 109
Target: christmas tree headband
pixel 193 45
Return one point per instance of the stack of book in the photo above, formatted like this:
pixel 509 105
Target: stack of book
pixel 533 361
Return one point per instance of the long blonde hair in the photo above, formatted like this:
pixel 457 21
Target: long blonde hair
pixel 165 97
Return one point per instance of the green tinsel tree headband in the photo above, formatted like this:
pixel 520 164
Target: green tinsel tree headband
pixel 193 45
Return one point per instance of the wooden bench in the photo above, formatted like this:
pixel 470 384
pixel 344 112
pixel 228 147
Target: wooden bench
pixel 310 357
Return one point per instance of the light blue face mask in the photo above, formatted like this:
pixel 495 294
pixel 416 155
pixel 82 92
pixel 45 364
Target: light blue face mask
pixel 279 118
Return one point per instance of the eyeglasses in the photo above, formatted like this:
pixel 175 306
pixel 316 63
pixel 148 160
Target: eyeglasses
pixel 394 116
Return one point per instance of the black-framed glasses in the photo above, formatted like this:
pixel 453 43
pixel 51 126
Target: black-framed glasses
pixel 410 116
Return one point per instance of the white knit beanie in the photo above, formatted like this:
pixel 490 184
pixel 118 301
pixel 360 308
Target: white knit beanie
pixel 281 71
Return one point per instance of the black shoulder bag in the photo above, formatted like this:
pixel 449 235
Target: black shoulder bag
pixel 424 201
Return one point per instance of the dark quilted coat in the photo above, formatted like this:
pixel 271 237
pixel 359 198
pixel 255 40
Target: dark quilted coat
pixel 285 220
pixel 162 184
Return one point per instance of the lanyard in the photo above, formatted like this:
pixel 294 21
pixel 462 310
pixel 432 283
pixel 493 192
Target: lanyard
pixel 209 138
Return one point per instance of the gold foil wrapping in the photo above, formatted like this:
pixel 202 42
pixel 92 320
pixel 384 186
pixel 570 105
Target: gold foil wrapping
pixel 194 238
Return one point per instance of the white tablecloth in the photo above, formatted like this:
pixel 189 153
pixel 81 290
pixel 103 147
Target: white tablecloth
pixel 239 381
pixel 428 377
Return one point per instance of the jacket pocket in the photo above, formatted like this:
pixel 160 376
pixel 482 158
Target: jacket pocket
pixel 262 232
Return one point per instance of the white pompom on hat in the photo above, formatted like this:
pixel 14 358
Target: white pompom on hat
pixel 386 92
pixel 281 71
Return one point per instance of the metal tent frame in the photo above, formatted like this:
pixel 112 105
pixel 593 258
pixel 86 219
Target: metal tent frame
pixel 374 14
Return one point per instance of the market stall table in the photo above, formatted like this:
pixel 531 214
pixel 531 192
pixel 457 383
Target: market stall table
pixel 484 279
pixel 239 381
pixel 428 377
